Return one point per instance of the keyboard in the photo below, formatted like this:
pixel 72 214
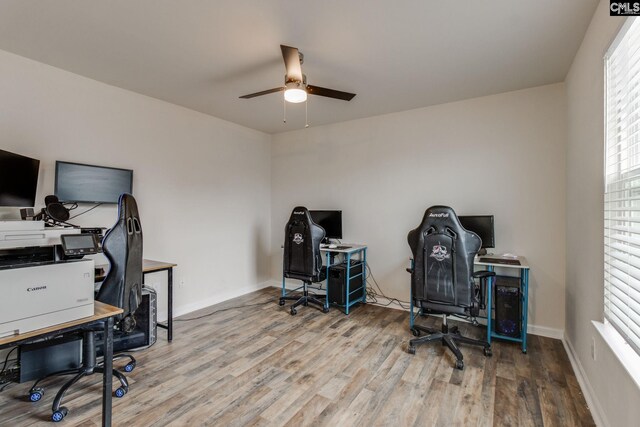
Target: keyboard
pixel 505 261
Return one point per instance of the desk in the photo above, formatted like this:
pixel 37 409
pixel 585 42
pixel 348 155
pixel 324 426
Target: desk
pixel 150 266
pixel 102 313
pixel 353 250
pixel 524 299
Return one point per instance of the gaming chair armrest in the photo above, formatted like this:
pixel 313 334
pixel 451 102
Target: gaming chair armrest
pixel 483 274
pixel 410 269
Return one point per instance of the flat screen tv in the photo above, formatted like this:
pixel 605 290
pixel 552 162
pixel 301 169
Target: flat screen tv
pixel 331 221
pixel 18 180
pixel 78 183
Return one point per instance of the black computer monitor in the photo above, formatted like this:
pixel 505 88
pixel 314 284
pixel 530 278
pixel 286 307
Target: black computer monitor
pixel 482 225
pixel 80 183
pixel 18 180
pixel 331 221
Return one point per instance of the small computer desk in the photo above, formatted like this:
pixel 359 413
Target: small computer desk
pixel 150 266
pixel 524 297
pixel 349 250
pixel 103 313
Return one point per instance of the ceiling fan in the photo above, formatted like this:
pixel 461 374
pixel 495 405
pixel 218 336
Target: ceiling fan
pixel 295 83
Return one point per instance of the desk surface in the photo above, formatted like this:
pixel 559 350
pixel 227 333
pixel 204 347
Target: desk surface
pixel 148 266
pixel 523 261
pixel 101 311
pixel 353 247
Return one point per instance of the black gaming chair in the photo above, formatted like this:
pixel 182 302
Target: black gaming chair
pixel 122 287
pixel 442 278
pixel 302 258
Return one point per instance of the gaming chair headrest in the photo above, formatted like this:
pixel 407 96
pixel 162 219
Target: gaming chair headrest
pixel 300 213
pixel 440 217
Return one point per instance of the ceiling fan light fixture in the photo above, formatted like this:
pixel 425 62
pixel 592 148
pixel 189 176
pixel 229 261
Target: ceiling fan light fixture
pixel 295 92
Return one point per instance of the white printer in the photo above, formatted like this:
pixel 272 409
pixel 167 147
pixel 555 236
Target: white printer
pixel 37 289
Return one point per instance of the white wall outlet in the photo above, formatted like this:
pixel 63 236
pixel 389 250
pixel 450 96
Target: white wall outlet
pixel 181 283
pixel 593 348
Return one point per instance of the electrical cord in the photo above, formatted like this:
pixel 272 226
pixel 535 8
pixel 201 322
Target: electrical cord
pixel 6 360
pixel 224 309
pixel 84 212
pixel 372 294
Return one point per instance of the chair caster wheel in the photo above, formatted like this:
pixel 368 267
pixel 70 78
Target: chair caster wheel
pixel 294 311
pixel 58 415
pixel 411 350
pixel 487 351
pixel 455 330
pixel 524 351
pixel 120 392
pixel 325 309
pixel 459 364
pixel 36 394
pixel 415 332
pixel 129 367
pixel 281 302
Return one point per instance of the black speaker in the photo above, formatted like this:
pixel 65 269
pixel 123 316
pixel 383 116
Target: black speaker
pixel 337 291
pixel 507 315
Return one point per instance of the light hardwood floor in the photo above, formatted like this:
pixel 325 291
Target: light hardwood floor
pixel 262 366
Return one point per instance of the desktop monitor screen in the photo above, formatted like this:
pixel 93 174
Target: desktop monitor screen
pixel 18 180
pixel 482 225
pixel 331 221
pixel 91 184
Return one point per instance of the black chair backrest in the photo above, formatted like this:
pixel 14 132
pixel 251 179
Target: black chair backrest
pixel 302 238
pixel 443 253
pixel 122 245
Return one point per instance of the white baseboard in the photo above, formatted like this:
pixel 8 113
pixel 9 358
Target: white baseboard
pixel 585 385
pixel 218 298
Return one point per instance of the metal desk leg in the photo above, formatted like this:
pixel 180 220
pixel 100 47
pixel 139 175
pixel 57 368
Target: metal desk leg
pixel 489 305
pixel 326 298
pixel 525 306
pixel 170 303
pixel 364 276
pixel 348 281
pixel 107 375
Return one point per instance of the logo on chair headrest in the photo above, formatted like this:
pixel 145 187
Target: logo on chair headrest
pixel 438 215
pixel 439 252
pixel 298 212
pixel 297 238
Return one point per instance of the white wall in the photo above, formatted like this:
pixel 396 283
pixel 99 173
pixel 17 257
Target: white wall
pixel 502 155
pixel 202 184
pixel 615 393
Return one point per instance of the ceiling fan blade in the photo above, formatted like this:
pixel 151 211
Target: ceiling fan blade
pixel 329 93
pixel 292 63
pixel 264 92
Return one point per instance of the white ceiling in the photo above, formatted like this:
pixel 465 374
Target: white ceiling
pixel 204 54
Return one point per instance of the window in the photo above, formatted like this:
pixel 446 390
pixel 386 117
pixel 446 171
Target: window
pixel 622 184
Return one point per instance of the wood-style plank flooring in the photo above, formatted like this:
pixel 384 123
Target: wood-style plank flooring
pixel 261 366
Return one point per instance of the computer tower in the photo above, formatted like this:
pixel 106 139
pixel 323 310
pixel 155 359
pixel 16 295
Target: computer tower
pixel 337 291
pixel 146 331
pixel 45 357
pixel 507 314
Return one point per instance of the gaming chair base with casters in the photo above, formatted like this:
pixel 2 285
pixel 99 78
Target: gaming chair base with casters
pixel 306 297
pixel 89 367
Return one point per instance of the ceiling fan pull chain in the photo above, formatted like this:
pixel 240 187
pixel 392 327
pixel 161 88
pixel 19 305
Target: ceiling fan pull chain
pixel 284 117
pixel 306 114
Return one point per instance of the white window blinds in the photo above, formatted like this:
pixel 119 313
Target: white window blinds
pixel 622 184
